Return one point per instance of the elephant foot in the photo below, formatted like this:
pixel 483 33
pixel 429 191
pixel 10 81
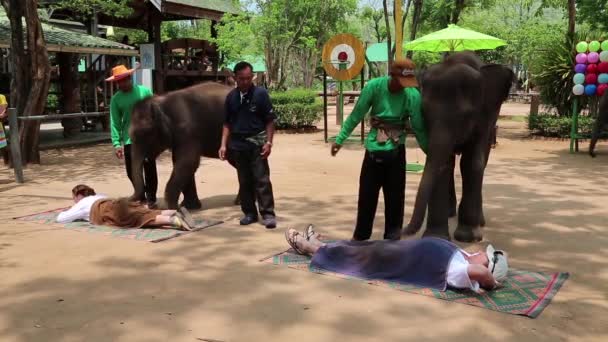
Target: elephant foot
pixel 441 235
pixel 410 230
pixel 592 154
pixel 468 234
pixel 237 200
pixel 482 221
pixel 192 205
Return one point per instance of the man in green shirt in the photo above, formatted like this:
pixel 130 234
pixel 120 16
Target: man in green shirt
pixel 121 107
pixel 390 100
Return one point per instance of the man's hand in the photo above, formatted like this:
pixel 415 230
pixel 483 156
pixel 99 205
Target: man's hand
pixel 335 148
pixel 266 149
pixel 120 152
pixel 222 152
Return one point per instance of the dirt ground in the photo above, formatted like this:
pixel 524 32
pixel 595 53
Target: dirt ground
pixel 543 205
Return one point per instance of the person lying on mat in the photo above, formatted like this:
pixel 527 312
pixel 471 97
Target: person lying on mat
pixel 101 210
pixel 427 262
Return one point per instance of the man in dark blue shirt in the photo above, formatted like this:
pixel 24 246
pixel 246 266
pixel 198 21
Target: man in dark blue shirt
pixel 247 137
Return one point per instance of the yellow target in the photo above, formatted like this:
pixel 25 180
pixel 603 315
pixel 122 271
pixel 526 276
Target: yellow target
pixel 343 57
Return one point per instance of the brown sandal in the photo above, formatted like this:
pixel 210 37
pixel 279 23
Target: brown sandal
pixel 291 235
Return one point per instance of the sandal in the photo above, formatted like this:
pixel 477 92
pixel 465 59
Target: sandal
pixel 187 217
pixel 183 224
pixel 310 232
pixel 291 236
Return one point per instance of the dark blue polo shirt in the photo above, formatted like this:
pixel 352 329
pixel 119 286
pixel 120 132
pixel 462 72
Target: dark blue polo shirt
pixel 248 116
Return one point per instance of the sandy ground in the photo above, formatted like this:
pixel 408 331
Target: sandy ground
pixel 543 205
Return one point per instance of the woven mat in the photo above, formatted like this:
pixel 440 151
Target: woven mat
pixel 524 293
pixel 142 234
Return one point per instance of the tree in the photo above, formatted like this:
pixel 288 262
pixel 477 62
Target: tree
pixel 86 8
pixel 389 43
pixel 31 71
pixel 415 23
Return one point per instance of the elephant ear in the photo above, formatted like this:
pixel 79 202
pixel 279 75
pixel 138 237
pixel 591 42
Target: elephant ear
pixel 148 121
pixel 497 83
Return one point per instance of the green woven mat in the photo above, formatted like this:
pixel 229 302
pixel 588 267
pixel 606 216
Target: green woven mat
pixel 142 234
pixel 524 293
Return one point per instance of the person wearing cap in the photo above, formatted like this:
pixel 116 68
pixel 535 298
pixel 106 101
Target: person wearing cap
pixel 121 106
pixel 390 101
pixel 247 137
pixel 428 262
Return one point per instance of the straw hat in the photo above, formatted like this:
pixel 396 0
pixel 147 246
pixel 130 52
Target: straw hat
pixel 120 72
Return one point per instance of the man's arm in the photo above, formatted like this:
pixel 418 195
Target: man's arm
pixel 115 124
pixel 415 110
pixel 361 108
pixel 225 130
pixel 270 117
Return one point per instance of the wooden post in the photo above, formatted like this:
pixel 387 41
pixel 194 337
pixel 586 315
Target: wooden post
pixel 574 128
pixel 325 104
pixel 398 31
pixel 534 104
pixel 15 146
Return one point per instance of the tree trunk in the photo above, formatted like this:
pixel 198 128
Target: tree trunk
pixel 459 6
pixel 571 18
pixel 389 45
pixel 403 19
pixel 415 22
pixel 70 92
pixel 31 73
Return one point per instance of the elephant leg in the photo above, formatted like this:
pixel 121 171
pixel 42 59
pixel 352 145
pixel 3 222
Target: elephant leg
pixel 191 200
pixel 452 189
pixel 184 168
pixel 439 207
pixel 472 166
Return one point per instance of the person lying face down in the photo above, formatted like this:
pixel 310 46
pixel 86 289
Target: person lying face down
pixel 427 262
pixel 102 210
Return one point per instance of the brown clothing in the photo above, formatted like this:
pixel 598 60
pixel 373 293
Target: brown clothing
pixel 387 130
pixel 121 213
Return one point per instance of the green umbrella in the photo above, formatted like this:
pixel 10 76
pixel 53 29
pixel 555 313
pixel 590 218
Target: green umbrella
pixel 455 38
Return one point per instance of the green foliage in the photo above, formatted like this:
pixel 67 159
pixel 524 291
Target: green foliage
pixel 117 8
pixel 136 37
pixel 549 125
pixel 298 108
pixel 236 38
pixel 197 29
pixel 593 12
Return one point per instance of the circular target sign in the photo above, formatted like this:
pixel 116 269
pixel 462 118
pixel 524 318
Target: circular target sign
pixel 343 57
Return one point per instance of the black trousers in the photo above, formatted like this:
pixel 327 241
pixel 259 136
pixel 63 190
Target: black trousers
pixel 150 176
pixel 386 171
pixel 254 182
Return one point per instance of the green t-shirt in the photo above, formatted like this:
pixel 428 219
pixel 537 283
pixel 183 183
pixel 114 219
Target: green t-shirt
pixel 376 99
pixel 121 107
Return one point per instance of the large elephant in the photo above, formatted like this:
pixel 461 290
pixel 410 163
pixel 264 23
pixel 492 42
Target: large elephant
pixel 461 100
pixel 189 123
pixel 600 124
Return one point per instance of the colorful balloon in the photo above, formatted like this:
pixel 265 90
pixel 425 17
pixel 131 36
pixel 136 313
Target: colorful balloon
pixel 581 58
pixel 601 89
pixel 578 89
pixel 593 57
pixel 591 79
pixel 602 79
pixel 604 56
pixel 582 47
pixel 580 68
pixel 592 69
pixel 579 79
pixel 604 45
pixel 590 89
pixel 594 46
pixel 602 68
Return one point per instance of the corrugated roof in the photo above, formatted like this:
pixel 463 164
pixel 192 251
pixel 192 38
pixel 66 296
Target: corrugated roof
pixel 61 40
pixel 224 6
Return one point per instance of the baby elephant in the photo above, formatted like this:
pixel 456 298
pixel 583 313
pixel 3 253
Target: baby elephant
pixel 600 124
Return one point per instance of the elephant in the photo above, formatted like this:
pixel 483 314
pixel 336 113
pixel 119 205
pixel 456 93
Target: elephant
pixel 188 122
pixel 600 123
pixel 461 100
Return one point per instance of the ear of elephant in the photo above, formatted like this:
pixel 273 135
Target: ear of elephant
pixel 499 78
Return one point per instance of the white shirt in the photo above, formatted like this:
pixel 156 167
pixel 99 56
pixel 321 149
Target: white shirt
pixel 458 272
pixel 80 210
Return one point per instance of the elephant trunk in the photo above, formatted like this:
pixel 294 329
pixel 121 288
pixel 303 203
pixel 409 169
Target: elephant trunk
pixel 137 172
pixel 437 163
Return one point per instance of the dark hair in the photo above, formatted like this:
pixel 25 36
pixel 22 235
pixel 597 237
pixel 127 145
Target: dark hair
pixel 83 190
pixel 242 66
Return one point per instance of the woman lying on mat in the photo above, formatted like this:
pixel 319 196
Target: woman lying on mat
pixel 101 210
pixel 427 262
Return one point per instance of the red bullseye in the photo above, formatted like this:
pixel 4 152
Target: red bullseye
pixel 343 56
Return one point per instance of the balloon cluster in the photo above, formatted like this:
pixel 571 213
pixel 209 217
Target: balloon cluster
pixel 591 68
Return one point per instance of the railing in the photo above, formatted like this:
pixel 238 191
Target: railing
pixel 14 134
